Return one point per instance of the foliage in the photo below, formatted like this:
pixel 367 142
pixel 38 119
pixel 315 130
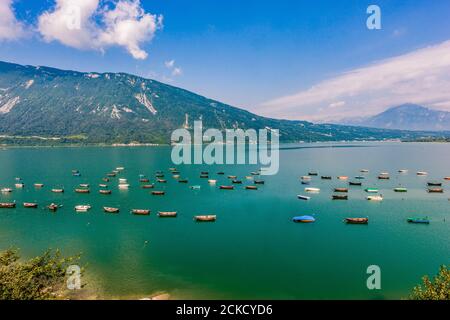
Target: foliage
pixel 40 278
pixel 437 288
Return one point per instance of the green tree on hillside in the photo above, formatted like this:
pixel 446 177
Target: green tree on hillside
pixel 437 288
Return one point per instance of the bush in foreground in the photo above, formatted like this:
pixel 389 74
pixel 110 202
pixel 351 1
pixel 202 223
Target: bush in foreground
pixel 437 288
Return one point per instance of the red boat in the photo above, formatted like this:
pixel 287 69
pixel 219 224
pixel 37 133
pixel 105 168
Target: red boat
pixel 30 205
pixel 158 193
pixel 7 205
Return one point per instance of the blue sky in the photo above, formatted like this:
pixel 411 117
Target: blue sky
pixel 265 56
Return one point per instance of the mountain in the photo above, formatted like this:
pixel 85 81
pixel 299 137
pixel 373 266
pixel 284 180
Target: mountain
pixel 407 117
pixel 42 105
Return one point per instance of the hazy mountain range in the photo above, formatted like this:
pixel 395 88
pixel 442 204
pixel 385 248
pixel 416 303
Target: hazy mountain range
pixel 406 117
pixel 47 105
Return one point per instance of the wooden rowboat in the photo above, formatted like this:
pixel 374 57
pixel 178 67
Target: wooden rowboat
pixel 38 185
pixel 226 187
pixel 7 205
pixel 340 190
pixel 140 212
pixel 357 220
pixel 170 214
pixel 111 210
pixel 208 218
pixel 58 190
pixel 30 205
pixel 339 197
pixel 259 182
pixel 251 187
pixel 105 191
pixel 148 186
pixel 82 190
pixel 158 193
pixel 435 190
pixel 434 184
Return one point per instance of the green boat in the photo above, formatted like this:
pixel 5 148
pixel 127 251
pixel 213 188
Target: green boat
pixel 419 220
pixel 371 190
pixel 401 190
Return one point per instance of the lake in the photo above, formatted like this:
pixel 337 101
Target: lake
pixel 253 250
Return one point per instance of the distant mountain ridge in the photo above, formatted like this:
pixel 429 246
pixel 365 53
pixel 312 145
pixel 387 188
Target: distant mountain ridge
pixel 406 117
pixel 59 106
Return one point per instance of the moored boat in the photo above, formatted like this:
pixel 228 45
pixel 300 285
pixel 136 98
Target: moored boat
pixel 326 177
pixel 435 190
pixel 304 219
pixel 313 173
pixel 251 187
pixel 161 181
pixel 422 173
pixel 30 205
pixel 305 178
pixel 53 207
pixel 434 184
pixel 183 181
pixel 103 185
pixel 104 191
pixel 220 173
pixel 357 220
pixel 6 190
pixel 302 197
pixel 375 198
pixel 111 210
pixel 259 182
pixel 207 218
pixel 371 190
pixel 354 183
pixel 196 187
pixel 360 177
pixel 212 181
pixel 419 220
pixel 342 178
pixel 19 185
pixel 383 177
pixel 140 212
pixel 226 187
pixel 82 191
pixel 236 182
pixel 403 171
pixel 5 205
pixel 82 208
pixel 167 214
pixel 38 185
pixel 124 186
pixel 232 177
pixel 111 174
pixel 58 190
pixel 123 181
pixel 84 185
pixel 339 197
pixel 312 190
pixel 342 190
pixel 400 189
pixel 447 178
pixel 148 186
pixel 158 193
pixel 364 170
pixel 105 179
pixel 144 180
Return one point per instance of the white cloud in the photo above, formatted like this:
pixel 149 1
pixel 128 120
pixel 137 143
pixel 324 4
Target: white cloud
pixel 177 72
pixel 84 24
pixel 10 27
pixel 422 77
pixel 169 64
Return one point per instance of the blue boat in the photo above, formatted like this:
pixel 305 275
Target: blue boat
pixel 304 219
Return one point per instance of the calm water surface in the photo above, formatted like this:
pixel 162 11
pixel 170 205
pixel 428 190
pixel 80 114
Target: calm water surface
pixel 253 250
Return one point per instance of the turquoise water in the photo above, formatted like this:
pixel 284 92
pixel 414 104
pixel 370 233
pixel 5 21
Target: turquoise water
pixel 253 250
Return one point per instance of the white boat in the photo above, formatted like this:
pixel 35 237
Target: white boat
pixel 120 168
pixel 375 198
pixel 249 177
pixel 313 190
pixel 422 173
pixel 82 208
pixel 403 171
pixel 6 190
pixel 123 180
pixel 195 187
pixel 301 197
pixel 123 186
pixel 212 181
pixel 364 170
pixel 306 178
pixel 19 185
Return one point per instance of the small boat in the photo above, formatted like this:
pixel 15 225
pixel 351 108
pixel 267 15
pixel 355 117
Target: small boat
pixel 383 177
pixel 249 177
pixel 226 187
pixel 144 180
pixel 195 187
pixel 84 185
pixel 76 174
pixel 364 170
pixel 344 190
pixel 115 171
pixel 6 190
pixel 140 212
pixel 326 177
pixel 18 179
pixel 160 175
pixel 161 181
pixel 172 169
pixel 339 197
pixel 422 173
pixel 434 184
pixel 111 174
pixel 220 173
pixel 82 208
pixel 53 207
pixel 123 180
pixel 254 173
pixel 204 172
pixel 305 178
pixel 148 186
pixel 5 205
pixel 82 190
pixel 371 190
pixel 204 176
pixel 176 176
pixel 103 191
pixel 403 171
pixel 124 186
pixel 357 220
pixel 176 172
pixel 58 190
pixel 419 220
pixel 38 185
pixel 105 179
pixel 208 218
pixel 353 183
pixel 183 181
pixel 375 198
pixel 232 177
pixel 170 214
pixel 342 178
pixel 258 182
pixel 313 174
pixel 447 178
pixel 30 205
pixel 251 187
pixel 306 182
pixel 312 190
pixel 212 181
pixel 120 168
pixel 103 186
pixel 360 177
pixel 158 193
pixel 19 185
pixel 75 171
pixel 400 189
pixel 304 219
pixel 111 210
pixel 435 190
pixel 301 197
pixel 237 182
